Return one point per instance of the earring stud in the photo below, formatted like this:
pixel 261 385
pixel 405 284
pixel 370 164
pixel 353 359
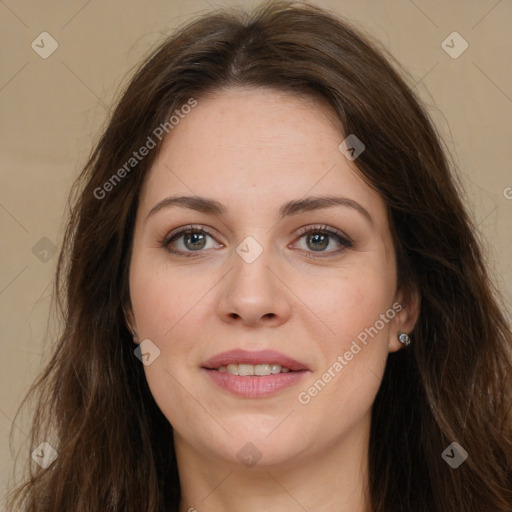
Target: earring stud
pixel 405 339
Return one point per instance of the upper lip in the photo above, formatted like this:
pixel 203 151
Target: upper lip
pixel 239 356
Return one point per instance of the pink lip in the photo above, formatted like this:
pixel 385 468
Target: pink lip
pixel 245 357
pixel 254 386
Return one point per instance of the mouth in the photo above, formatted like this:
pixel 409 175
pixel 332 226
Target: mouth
pixel 245 370
pixel 254 374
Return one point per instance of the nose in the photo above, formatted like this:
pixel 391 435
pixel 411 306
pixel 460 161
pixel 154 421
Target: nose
pixel 253 294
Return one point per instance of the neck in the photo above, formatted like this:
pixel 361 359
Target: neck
pixel 334 480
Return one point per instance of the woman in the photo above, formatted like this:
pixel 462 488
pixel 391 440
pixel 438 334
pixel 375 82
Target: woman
pixel 273 295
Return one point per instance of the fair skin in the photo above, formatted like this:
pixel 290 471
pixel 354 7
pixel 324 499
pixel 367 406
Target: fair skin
pixel 252 150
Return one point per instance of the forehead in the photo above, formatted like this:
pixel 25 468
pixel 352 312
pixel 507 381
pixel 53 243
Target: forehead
pixel 255 148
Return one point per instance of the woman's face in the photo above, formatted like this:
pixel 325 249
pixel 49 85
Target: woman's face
pixel 269 277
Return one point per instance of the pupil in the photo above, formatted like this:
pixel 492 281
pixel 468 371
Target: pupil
pixel 196 238
pixel 323 241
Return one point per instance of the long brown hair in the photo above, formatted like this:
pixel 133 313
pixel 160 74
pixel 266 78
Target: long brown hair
pixel 115 448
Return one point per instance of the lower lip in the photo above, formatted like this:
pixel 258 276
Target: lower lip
pixel 255 386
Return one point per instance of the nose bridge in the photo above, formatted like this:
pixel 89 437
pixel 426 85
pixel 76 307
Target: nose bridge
pixel 251 291
pixel 252 263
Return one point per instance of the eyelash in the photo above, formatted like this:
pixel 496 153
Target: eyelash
pixel 343 240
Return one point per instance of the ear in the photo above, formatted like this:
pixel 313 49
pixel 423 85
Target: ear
pixel 407 305
pixel 130 322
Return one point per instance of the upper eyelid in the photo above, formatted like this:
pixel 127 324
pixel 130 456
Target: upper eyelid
pixel 184 229
pixel 301 230
pixel 304 230
pixel 322 227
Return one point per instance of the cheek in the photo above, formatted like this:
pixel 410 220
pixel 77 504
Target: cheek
pixel 342 390
pixel 163 297
pixel 352 299
pixel 164 301
pixel 356 307
pixel 170 306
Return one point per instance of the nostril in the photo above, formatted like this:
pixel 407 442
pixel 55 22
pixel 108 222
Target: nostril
pixel 266 315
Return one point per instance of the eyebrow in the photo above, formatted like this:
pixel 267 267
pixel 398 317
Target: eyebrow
pixel 307 204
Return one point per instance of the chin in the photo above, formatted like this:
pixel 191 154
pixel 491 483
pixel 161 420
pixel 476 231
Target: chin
pixel 254 443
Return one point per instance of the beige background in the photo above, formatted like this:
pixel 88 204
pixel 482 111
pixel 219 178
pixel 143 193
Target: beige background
pixel 53 109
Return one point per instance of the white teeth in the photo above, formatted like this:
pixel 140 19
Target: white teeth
pixel 276 368
pixel 245 369
pixel 253 369
pixel 262 369
pixel 233 369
